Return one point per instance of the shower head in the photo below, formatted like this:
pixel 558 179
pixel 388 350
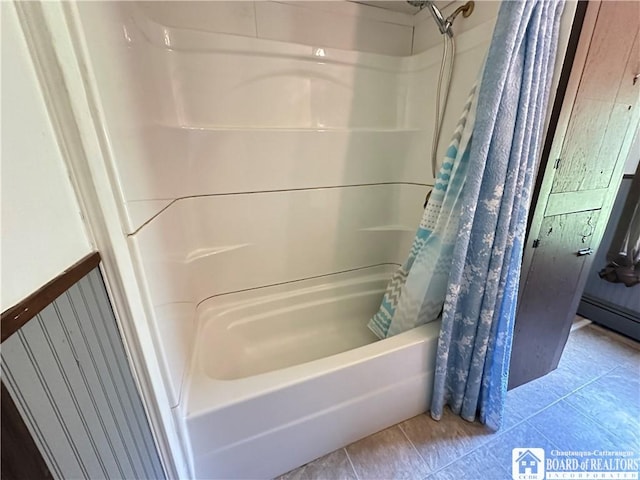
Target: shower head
pixel 444 24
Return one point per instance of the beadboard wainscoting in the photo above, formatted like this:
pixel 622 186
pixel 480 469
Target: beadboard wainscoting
pixel 66 370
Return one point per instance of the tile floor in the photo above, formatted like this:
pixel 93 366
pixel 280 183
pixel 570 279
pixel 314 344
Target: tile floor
pixel 591 401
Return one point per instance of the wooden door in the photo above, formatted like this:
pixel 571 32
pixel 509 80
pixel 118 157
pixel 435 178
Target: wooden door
pixel 598 120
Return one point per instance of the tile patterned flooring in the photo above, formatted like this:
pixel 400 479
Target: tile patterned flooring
pixel 592 400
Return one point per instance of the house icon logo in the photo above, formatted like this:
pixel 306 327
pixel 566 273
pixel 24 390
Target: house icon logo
pixel 527 463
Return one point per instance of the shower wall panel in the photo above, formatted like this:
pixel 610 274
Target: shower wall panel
pixel 185 107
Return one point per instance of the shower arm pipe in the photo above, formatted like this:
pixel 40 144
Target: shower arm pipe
pixel 466 10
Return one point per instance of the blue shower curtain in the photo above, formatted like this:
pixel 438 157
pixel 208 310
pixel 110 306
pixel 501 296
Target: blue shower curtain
pixel 483 260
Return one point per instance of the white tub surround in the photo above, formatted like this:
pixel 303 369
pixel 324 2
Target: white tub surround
pixel 330 143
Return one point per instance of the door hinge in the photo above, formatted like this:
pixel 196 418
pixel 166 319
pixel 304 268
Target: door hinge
pixel 536 243
pixel 557 164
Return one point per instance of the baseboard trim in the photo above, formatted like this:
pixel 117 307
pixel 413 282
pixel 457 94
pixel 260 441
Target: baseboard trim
pixel 622 320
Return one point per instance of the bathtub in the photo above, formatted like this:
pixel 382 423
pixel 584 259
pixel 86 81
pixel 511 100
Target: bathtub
pixel 284 374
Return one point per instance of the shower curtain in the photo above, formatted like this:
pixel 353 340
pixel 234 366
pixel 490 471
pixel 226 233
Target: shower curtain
pixel 416 292
pixel 482 261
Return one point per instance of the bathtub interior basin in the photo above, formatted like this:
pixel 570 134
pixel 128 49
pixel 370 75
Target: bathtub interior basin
pixel 249 339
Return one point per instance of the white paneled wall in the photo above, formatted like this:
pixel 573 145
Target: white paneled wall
pixel 305 24
pixel 222 161
pixel 250 150
pixel 341 25
pixel 184 97
pixel 279 236
pixel 194 96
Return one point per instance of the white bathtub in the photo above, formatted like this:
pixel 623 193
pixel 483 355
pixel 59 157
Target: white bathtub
pixel 282 375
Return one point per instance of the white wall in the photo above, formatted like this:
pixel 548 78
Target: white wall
pixel 344 25
pixel 42 231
